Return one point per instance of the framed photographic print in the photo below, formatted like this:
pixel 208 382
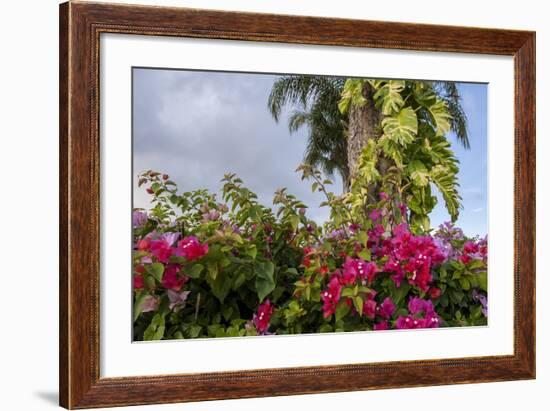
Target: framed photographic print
pixel 256 205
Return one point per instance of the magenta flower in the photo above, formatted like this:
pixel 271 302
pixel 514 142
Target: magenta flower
pixel 369 309
pixel 404 322
pixel 331 296
pixel 381 326
pixel 387 308
pixel 432 320
pixel 161 250
pixel 191 248
pixel 384 196
pixel 138 282
pixel 417 305
pixel 375 214
pixel 171 280
pixel 262 318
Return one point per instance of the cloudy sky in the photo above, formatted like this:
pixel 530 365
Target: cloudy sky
pixel 196 126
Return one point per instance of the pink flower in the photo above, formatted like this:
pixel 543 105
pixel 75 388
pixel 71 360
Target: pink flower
pixel 369 309
pixel 170 238
pixel 261 320
pixel 331 296
pixel 161 250
pixel 170 278
pixel 417 305
pixel 144 244
pixel 375 214
pixel 470 247
pixel 384 196
pixel 434 292
pixel 177 300
pixel 381 326
pixel 138 282
pixel 432 320
pixel 387 308
pixel 150 303
pixel 191 248
pixel 404 322
pixel 357 267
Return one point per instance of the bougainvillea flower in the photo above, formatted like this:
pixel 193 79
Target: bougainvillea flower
pixel 139 218
pixel 432 320
pixel 369 309
pixel 387 308
pixel 191 248
pixel 171 280
pixel 417 305
pixel 434 292
pixel 404 322
pixel 470 247
pixel 384 196
pixel 465 258
pixel 375 214
pixel 139 283
pixel 262 318
pixel 482 300
pixel 150 303
pixel 144 244
pixel 381 326
pixel 170 238
pixel 177 300
pixel 161 250
pixel 349 271
pixel 331 296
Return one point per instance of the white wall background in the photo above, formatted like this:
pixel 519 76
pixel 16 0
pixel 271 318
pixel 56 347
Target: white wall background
pixel 29 190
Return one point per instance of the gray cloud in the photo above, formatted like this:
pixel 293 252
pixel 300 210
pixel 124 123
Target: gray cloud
pixel 197 126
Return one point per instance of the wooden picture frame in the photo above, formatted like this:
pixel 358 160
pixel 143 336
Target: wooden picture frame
pixel 80 27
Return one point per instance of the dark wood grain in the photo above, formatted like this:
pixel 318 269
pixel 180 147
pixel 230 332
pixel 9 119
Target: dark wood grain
pixel 80 27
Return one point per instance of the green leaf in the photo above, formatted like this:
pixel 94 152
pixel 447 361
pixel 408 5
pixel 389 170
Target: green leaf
pixel 212 269
pixel 137 305
pixel 424 95
pixel 342 309
pixel 440 116
pixel 464 283
pixel 155 330
pixel 358 303
pixel 264 278
pixel 157 271
pixel 402 127
pixel 364 254
pixel 252 251
pixel 388 97
pixel 220 286
pixel 294 221
pixel 194 271
pixel 347 292
pixel 418 172
pixel 446 181
pixel 398 294
pixel 482 280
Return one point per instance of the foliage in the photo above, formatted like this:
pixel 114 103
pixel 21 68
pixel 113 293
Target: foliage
pixel 412 145
pixel 209 267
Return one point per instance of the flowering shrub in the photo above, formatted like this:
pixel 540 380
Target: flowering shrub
pixel 205 267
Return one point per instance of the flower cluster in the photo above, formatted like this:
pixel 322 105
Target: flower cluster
pixel 408 256
pixel 421 315
pixel 202 268
pixel 262 318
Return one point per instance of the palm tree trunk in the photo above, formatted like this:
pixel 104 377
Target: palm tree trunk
pixel 364 124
